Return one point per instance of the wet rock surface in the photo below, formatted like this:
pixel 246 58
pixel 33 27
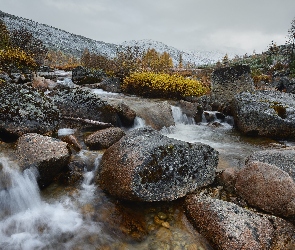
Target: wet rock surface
pixel 104 138
pixel 147 166
pixel 82 103
pixel 228 226
pixel 265 113
pixel 25 110
pixel 48 155
pixel 267 187
pixel 283 158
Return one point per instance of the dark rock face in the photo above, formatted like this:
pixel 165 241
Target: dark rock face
pixel 194 110
pixel 81 75
pixel 265 113
pixel 228 226
pixel 82 103
pixel 228 81
pixel 111 84
pixel 147 166
pixel 24 110
pixel 104 138
pixel 48 155
pixel 4 78
pixel 285 84
pixel 126 114
pixel 267 187
pixel 284 159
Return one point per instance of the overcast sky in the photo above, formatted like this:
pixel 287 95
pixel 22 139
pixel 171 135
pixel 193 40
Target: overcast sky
pixel 241 25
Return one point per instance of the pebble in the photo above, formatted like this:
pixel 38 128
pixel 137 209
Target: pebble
pixel 162 216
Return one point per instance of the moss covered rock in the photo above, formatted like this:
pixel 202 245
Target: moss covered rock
pixel 25 110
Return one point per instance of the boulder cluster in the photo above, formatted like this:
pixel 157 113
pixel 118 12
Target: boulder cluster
pixel 252 207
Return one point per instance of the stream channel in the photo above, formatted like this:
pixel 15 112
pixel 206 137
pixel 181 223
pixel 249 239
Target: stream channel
pixel 84 217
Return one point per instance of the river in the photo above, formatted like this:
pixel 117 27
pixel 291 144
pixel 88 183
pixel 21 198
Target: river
pixel 84 217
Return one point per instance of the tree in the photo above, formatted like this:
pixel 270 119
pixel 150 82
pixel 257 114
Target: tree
pixel 24 39
pixel 85 59
pixel 225 60
pixel 4 36
pixel 165 62
pixel 180 61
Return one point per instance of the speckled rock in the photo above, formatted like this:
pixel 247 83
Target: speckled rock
pixel 81 75
pixel 126 114
pixel 148 166
pixel 265 113
pixel 48 155
pixel 283 158
pixel 267 187
pixel 228 226
pixel 228 81
pixel 24 110
pixel 82 103
pixel 104 138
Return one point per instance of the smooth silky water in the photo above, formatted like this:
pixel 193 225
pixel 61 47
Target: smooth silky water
pixel 84 217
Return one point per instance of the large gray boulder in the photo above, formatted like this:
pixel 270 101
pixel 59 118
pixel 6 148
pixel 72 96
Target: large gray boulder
pixel 82 103
pixel 265 113
pixel 50 156
pixel 25 110
pixel 229 81
pixel 267 187
pixel 148 166
pixel 156 114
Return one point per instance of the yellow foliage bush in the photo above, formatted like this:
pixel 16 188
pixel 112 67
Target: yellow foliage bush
pixel 150 84
pixel 15 57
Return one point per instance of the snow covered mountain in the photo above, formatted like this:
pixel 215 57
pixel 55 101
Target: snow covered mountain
pixel 58 39
pixel 197 58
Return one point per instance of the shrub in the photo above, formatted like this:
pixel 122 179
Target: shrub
pixel 15 58
pixel 162 85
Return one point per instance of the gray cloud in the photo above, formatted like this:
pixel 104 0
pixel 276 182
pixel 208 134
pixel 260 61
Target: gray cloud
pixel 187 24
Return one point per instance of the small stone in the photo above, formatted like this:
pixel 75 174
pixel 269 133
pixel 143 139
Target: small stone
pixel 162 216
pixel 157 220
pixel 166 224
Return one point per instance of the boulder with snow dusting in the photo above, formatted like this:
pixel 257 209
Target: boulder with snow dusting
pixel 265 113
pixel 230 227
pixel 25 110
pixel 47 154
pixel 82 103
pixel 148 166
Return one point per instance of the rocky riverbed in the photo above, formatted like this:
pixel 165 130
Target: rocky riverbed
pixel 84 168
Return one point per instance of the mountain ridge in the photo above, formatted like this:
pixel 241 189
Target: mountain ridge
pixel 57 39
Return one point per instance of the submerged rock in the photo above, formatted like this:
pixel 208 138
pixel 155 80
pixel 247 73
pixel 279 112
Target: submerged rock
pixel 25 110
pixel 148 166
pixel 267 187
pixel 265 113
pixel 47 154
pixel 104 138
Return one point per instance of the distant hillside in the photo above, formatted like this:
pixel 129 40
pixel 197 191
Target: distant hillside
pixel 58 39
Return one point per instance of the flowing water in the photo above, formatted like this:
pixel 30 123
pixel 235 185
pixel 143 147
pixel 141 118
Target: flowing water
pixel 84 217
